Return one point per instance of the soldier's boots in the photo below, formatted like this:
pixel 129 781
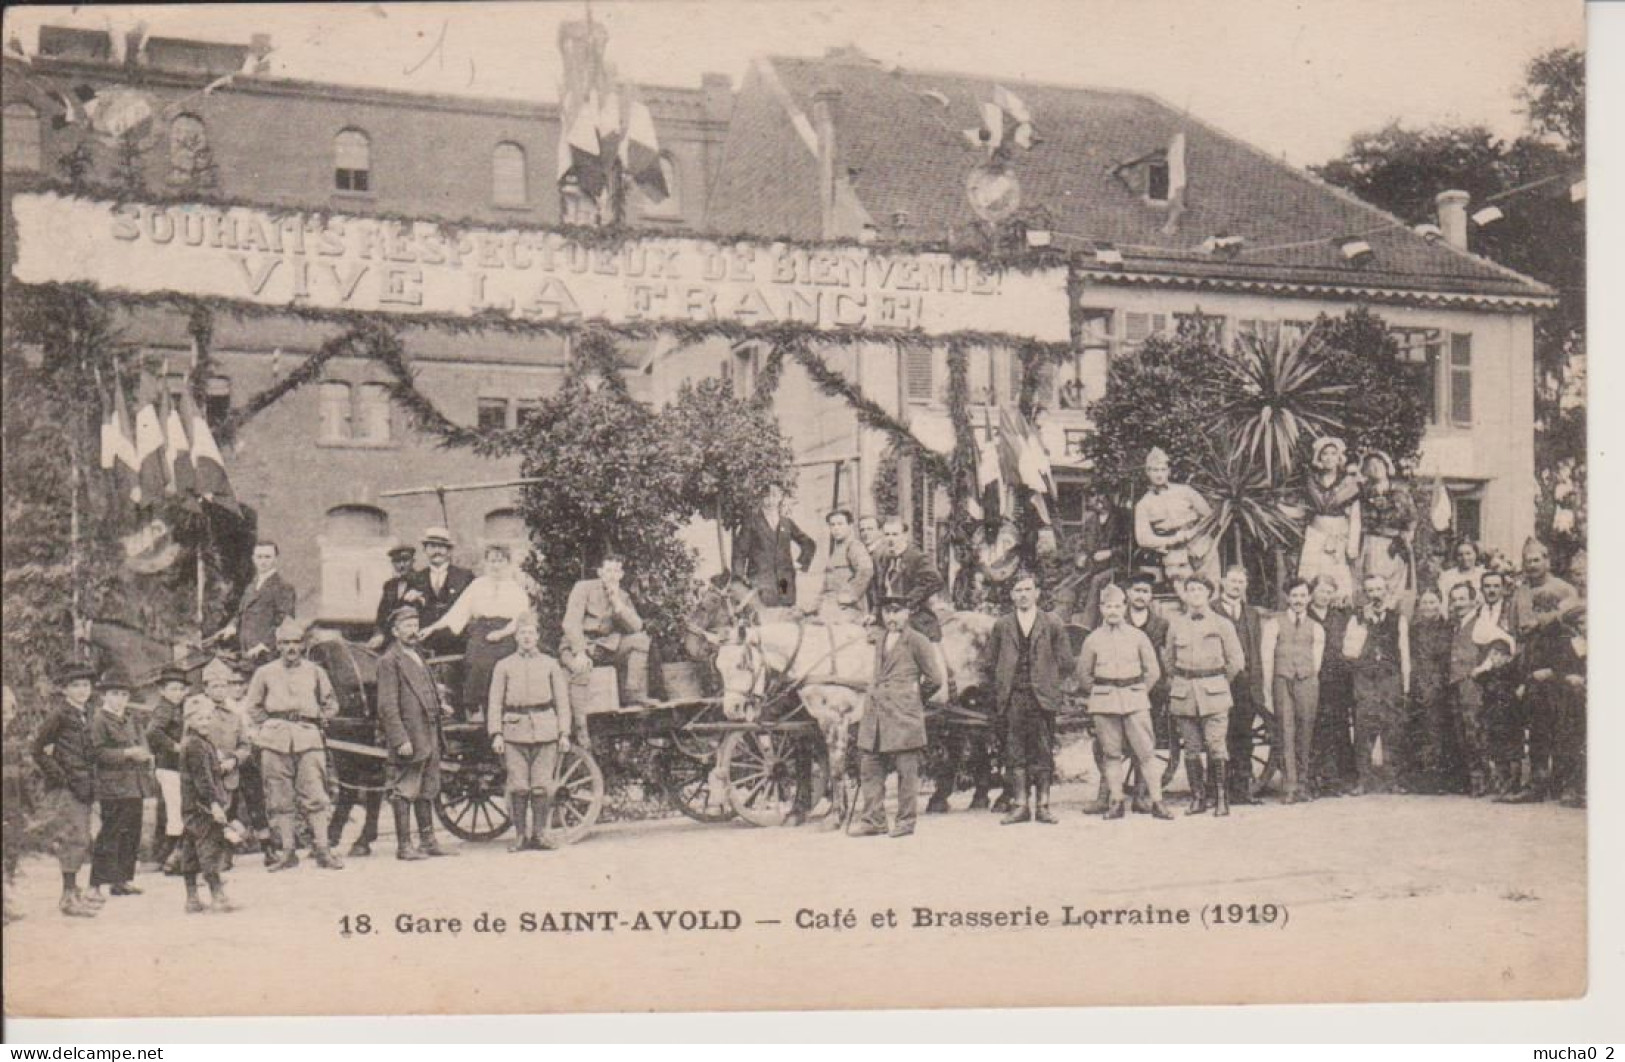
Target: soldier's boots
pixel 1221 792
pixel 519 809
pixel 74 905
pixel 1019 812
pixel 541 805
pixel 427 842
pixel 1197 780
pixel 405 850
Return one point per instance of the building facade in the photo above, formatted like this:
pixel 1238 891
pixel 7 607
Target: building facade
pixel 806 149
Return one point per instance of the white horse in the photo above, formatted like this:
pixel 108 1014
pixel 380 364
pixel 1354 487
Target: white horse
pixel 830 667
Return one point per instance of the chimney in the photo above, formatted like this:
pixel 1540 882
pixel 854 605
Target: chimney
pixel 1453 217
pixel 718 92
pixel 825 103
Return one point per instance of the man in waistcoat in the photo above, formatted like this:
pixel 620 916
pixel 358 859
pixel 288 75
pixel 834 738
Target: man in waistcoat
pixel 1291 651
pixel 1377 645
pixel 1027 657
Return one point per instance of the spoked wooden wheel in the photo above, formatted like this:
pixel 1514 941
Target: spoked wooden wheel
pixel 472 804
pixel 577 801
pixel 760 767
pixel 692 785
pixel 1267 750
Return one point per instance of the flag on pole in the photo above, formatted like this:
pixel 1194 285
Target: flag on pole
pixel 1020 118
pixel 640 152
pixel 209 468
pixel 1176 183
pixel 990 134
pixel 118 458
pixel 149 454
pixel 585 162
pixel 177 451
pixel 1442 514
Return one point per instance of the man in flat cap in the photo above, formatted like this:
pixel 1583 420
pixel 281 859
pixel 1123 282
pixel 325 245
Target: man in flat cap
pixel 409 711
pixel 288 699
pixel 398 591
pixel 265 603
pixel 62 750
pixel 529 720
pixel 1170 516
pixel 439 583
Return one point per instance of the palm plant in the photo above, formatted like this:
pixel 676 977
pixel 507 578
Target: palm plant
pixel 1257 512
pixel 1273 395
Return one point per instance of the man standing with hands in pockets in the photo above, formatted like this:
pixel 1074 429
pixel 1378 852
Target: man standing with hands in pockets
pixel 409 711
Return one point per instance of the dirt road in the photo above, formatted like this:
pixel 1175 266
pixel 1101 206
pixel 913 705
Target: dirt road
pixel 1367 898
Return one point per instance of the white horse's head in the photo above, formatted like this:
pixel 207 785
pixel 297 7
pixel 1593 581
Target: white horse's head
pixel 744 674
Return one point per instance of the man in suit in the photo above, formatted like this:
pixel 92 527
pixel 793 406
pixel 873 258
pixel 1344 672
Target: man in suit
pixel 891 734
pixel 762 553
pixel 1247 690
pixel 601 625
pixel 1468 661
pixel 398 591
pixel 266 602
pixel 440 583
pixel 409 711
pixel 1028 655
pixel 905 572
pixel 1293 649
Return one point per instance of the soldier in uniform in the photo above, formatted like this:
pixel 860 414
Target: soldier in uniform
pixel 529 721
pixel 1378 646
pixel 1171 516
pixel 1291 651
pixel 409 711
pixel 265 604
pixel 1027 657
pixel 1119 667
pixel 891 734
pixel 288 699
pixel 1204 657
pixel 61 749
pixel 602 625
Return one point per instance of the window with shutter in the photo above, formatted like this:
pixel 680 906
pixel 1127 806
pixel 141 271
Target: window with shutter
pixel 493 414
pixel 372 413
pixel 352 161
pixel 1138 327
pixel 336 415
pixel 1420 352
pixel 918 382
pixel 1461 379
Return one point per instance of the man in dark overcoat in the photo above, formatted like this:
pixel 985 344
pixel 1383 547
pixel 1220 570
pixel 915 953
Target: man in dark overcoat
pixel 409 711
pixel 397 591
pixel 1247 691
pixel 904 571
pixel 891 735
pixel 1028 656
pixel 762 553
pixel 439 583
pixel 265 603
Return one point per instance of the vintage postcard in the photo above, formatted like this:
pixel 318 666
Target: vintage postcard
pixel 559 508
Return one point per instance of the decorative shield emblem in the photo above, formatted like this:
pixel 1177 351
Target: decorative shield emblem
pixel 993 191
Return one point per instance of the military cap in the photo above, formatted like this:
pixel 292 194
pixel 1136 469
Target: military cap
pixel 114 679
pixel 402 553
pixel 894 601
pixel 438 536
pixel 218 670
pixel 1157 456
pixel 172 673
pixel 404 612
pixel 73 671
pixel 290 630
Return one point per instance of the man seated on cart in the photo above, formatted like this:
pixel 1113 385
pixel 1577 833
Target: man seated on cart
pixel 602 626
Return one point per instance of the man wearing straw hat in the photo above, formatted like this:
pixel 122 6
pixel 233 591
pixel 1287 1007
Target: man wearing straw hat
pixel 529 721
pixel 288 699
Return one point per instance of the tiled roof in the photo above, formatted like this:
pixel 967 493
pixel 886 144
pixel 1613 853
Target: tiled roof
pixel 904 151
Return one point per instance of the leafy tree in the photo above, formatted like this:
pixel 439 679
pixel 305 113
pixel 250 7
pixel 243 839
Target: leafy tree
pixel 1541 235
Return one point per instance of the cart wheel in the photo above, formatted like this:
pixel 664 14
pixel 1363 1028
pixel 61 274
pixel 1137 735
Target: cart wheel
pixel 699 745
pixel 761 772
pixel 687 783
pixel 472 804
pixel 577 801
pixel 1266 763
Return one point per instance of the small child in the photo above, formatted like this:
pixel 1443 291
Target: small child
pixel 205 848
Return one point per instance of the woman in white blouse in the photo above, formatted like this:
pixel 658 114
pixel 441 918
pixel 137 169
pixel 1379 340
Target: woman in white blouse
pixel 489 610
pixel 1469 569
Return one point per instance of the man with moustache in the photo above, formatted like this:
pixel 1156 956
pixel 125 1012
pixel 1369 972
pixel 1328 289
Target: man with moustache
pixel 891 734
pixel 1535 616
pixel 409 713
pixel 1028 656
pixel 439 584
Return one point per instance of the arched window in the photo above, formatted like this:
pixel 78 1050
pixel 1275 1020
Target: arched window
pixel 336 413
pixel 23 137
pixel 352 161
pixel 354 546
pixel 508 176
pixel 190 160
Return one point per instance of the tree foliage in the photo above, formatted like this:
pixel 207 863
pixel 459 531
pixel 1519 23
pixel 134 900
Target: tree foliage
pixel 1542 235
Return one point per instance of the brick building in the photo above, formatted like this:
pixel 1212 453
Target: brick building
pixel 838 147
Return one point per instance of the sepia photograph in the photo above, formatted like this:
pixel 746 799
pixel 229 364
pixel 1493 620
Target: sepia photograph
pixel 786 506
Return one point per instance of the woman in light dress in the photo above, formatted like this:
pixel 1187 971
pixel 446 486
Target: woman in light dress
pixel 489 611
pixel 1386 531
pixel 1331 540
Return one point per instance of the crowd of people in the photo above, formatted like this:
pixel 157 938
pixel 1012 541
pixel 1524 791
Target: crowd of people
pixel 1369 684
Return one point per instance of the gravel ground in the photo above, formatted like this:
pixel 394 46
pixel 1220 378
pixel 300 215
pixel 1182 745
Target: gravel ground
pixel 1371 898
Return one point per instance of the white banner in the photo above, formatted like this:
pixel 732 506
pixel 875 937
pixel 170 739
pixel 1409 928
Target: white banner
pixel 326 261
